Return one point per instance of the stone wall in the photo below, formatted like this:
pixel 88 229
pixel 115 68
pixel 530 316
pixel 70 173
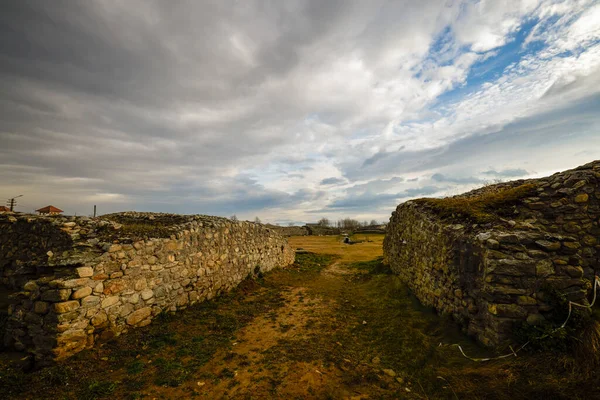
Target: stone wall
pixel 76 281
pixel 290 230
pixel 490 276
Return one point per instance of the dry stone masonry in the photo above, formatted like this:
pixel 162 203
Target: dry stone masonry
pixel 74 281
pixel 490 276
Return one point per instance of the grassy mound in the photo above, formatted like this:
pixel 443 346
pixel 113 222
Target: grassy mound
pixel 482 208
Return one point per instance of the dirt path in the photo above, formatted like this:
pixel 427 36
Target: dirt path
pixel 284 354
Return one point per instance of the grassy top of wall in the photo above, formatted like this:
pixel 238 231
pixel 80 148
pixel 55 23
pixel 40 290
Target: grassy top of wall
pixel 482 207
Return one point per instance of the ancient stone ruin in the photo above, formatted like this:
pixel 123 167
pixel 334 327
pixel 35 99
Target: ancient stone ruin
pixel 486 257
pixel 69 282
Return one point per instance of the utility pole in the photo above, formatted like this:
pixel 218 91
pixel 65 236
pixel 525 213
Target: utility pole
pixel 11 203
pixel 94 211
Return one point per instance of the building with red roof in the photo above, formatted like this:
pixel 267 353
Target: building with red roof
pixel 49 210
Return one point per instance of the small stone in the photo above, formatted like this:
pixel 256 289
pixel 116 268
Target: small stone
pixel 41 307
pixel 90 301
pixel 147 294
pixel 85 272
pixel 72 283
pixel 99 288
pixel 31 286
pixel 581 198
pixel 548 245
pixel 389 372
pixel 573 272
pixel 493 244
pixel 50 254
pixel 139 315
pixel 110 301
pixel 114 248
pixel 83 292
pixel 544 268
pixel 376 360
pixel 56 295
pixel 99 319
pixel 65 307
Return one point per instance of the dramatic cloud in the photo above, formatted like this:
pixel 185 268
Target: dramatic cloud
pixel 286 110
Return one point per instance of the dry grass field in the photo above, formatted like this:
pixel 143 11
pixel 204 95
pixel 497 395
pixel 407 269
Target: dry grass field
pixel 370 246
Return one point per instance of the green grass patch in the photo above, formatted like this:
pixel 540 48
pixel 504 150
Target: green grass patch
pixel 97 390
pixel 312 262
pixel 373 267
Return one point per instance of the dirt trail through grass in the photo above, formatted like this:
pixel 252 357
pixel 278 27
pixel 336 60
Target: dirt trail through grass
pixel 332 326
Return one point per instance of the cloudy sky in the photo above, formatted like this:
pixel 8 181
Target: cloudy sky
pixel 290 110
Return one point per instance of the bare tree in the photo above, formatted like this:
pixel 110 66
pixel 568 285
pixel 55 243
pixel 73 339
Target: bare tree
pixel 233 217
pixel 257 220
pixel 373 222
pixel 324 222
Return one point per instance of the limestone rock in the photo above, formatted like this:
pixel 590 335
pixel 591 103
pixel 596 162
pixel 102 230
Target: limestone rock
pixel 65 307
pixel 83 292
pixel 139 315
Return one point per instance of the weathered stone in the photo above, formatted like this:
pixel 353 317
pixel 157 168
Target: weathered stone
pixel 493 244
pixel 90 301
pixel 573 272
pixel 31 286
pixel 84 291
pixel 99 319
pixel 147 294
pixel 572 227
pixel 582 198
pixel 389 372
pixel 114 248
pixel 65 307
pixel 73 283
pixel 507 310
pixel 99 288
pixel 110 301
pixel 526 300
pixel 548 245
pixel 139 315
pixel 41 307
pixel 544 268
pixel 85 272
pixel 56 295
pixel 511 267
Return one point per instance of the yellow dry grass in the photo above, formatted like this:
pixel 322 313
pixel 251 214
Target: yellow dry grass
pixel 371 246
